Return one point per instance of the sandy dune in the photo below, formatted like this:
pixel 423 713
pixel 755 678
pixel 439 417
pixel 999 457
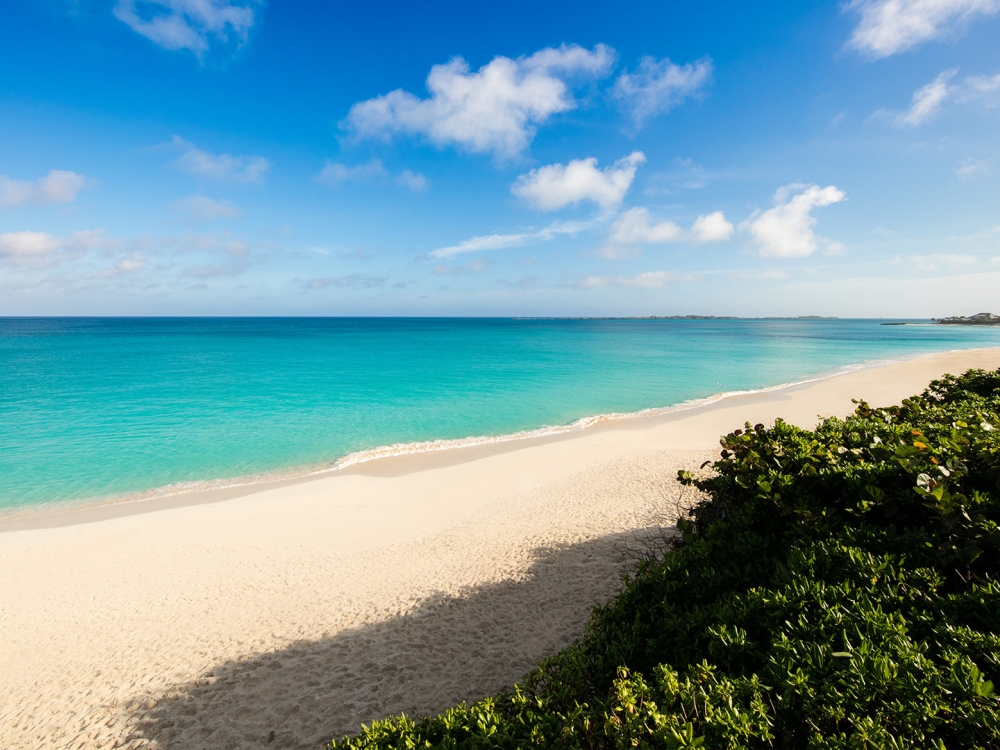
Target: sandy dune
pixel 284 616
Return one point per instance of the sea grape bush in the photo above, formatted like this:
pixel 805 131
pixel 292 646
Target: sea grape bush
pixel 837 588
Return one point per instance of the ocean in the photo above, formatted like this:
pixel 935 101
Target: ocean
pixel 96 409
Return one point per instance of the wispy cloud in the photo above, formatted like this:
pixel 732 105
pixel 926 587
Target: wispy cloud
pixel 195 161
pixel 203 208
pixel 970 168
pixel 473 266
pixel 657 86
pixel 189 24
pixel 647 280
pixel 501 241
pixel 350 281
pixel 495 109
pixel 556 186
pixel 927 100
pixel 58 186
pixel 786 231
pixel 887 27
pixel 335 174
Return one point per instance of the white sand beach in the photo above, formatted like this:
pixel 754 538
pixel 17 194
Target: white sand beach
pixel 283 615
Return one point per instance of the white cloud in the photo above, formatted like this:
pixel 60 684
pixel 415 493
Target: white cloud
pixel 220 166
pixel 647 280
pixel 635 227
pixel 970 168
pixel 188 24
pixel 42 248
pixel 656 87
pixel 58 186
pixel 712 227
pixel 412 180
pixel 555 186
pixel 786 231
pixel 129 264
pixel 927 100
pixel 203 208
pixel 890 26
pixel 982 88
pixel 501 241
pixel 20 246
pixel 493 110
pixel 335 173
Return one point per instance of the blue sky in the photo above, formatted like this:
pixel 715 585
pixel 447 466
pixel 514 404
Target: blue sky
pixel 191 157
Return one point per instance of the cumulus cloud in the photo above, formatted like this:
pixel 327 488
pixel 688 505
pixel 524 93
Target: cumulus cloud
pixel 786 231
pixel 195 161
pixel 495 109
pixel 658 86
pixel 635 227
pixel 58 186
pixel 647 280
pixel 335 173
pixel 502 241
pixel 556 186
pixel 189 24
pixel 203 208
pixel 712 227
pixel 887 27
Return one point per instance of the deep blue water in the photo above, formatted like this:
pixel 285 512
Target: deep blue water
pixel 91 408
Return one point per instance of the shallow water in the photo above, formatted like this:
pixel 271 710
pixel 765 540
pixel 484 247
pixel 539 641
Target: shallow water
pixel 92 408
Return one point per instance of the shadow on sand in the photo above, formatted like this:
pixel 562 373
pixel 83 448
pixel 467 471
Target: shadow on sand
pixel 448 650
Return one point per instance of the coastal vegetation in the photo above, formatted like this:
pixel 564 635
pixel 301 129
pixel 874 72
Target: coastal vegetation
pixel 979 319
pixel 835 588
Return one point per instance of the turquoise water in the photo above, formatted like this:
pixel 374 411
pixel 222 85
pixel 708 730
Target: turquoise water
pixel 92 408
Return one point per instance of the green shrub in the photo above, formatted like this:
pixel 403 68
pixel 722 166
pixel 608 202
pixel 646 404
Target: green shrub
pixel 838 589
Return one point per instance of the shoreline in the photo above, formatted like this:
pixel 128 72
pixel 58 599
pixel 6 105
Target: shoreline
pixel 298 612
pixel 196 492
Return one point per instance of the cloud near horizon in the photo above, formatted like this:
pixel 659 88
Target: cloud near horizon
pixel 556 186
pixel 496 109
pixel 647 280
pixel 189 24
pixel 887 27
pixel 786 231
pixel 58 186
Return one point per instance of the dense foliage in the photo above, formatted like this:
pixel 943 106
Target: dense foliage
pixel 838 589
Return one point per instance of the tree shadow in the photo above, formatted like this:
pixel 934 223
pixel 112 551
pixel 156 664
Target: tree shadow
pixel 447 650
